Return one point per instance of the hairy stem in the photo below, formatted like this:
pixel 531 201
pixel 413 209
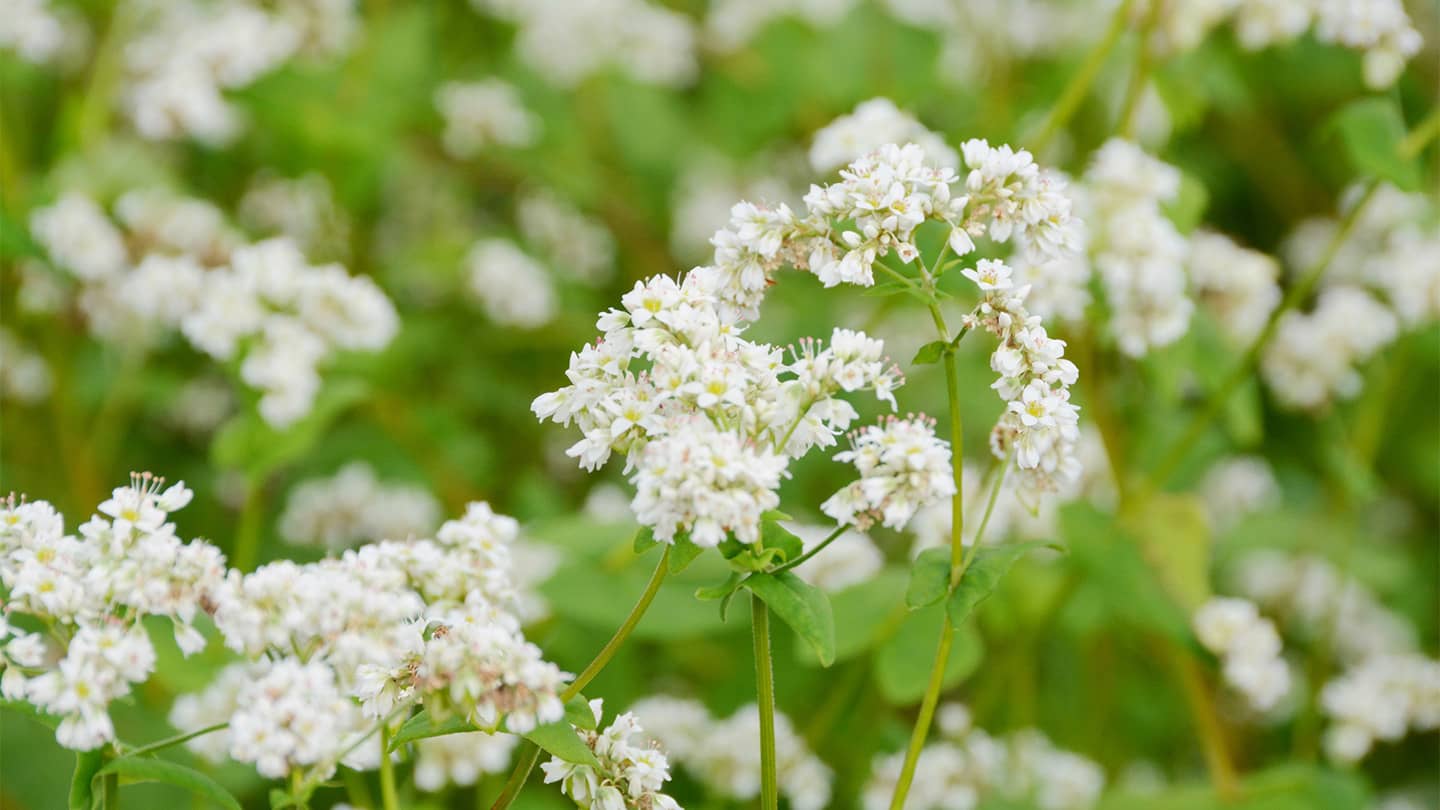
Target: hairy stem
pixel 388 799
pixel 530 753
pixel 765 694
pixel 1074 93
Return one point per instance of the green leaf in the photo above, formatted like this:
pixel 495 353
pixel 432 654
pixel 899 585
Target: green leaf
pixel 775 536
pixel 143 769
pixel 578 713
pixel 711 593
pixel 82 782
pixel 1174 536
pixel 682 553
pixel 1113 565
pixel 904 661
pixel 1371 130
pixel 775 514
pixel 644 540
pixel 929 578
pixel 561 740
pixel 423 726
pixel 930 353
pixel 802 606
pixel 985 572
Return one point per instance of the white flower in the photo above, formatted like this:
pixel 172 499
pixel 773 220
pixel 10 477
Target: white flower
pixel 873 124
pixel 79 237
pixel 1249 647
pixel 478 114
pixel 903 466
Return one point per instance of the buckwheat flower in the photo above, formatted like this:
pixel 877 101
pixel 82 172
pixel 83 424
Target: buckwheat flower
pixel 1249 647
pixel 461 759
pixel 706 482
pixel 873 124
pixel 213 705
pixel 1312 359
pixel 1380 28
pixel 292 715
pixel 478 114
pixel 722 755
pixel 33 30
pixel 703 197
pixel 576 245
pixel 1237 487
pixel 1239 286
pixel 1379 701
pixel 513 288
pixel 79 237
pixel 902 466
pixel 166 223
pixel 631 774
pixel 1261 23
pixel 353 507
pixel 24 375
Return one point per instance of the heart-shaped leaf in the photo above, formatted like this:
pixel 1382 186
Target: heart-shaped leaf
pixel 929 578
pixel 985 572
pixel 802 606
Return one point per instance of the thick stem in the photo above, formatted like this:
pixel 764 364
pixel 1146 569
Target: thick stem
pixel 388 799
pixel 530 754
pixel 1207 726
pixel 1296 294
pixel 765 694
pixel 1075 92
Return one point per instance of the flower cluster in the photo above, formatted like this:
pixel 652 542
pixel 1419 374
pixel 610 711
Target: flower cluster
pixel 1040 425
pixel 630 775
pixel 353 507
pixel 565 42
pixel 903 466
pixel 873 124
pixel 1319 601
pixel 1238 286
pixel 1379 28
pixel 392 623
pixel 575 245
pixel 968 767
pixel 24 374
pixel 1249 647
pixel 1137 252
pixel 1236 487
pixel 178 265
pixel 481 113
pixel 281 318
pixel 39 33
pixel 190 53
pixel 1313 357
pixel 91 593
pixel 1379 700
pixel 722 754
pixel 513 288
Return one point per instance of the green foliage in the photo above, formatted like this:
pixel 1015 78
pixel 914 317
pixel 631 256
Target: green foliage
pixel 144 769
pixel 800 605
pixel 984 573
pixel 1371 130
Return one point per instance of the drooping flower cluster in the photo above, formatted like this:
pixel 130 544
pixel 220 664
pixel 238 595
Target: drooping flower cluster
pixel 478 114
pixel 630 776
pixel 1137 251
pixel 722 754
pixel 513 288
pixel 968 767
pixel 91 593
pixel 392 623
pixel 1249 648
pixel 566 42
pixel 873 124
pixel 1379 28
pixel 1040 426
pixel 903 466
pixel 1380 700
pixel 1238 286
pixel 189 53
pixel 353 507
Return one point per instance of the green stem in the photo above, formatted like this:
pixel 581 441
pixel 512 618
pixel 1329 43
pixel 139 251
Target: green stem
pixel 110 791
pixel 995 488
pixel 530 754
pixel 1130 109
pixel 1296 294
pixel 1423 133
pixel 958 563
pixel 616 641
pixel 160 745
pixel 298 790
pixel 765 694
pixel 1207 725
pixel 839 530
pixel 1075 92
pixel 388 799
pixel 248 529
